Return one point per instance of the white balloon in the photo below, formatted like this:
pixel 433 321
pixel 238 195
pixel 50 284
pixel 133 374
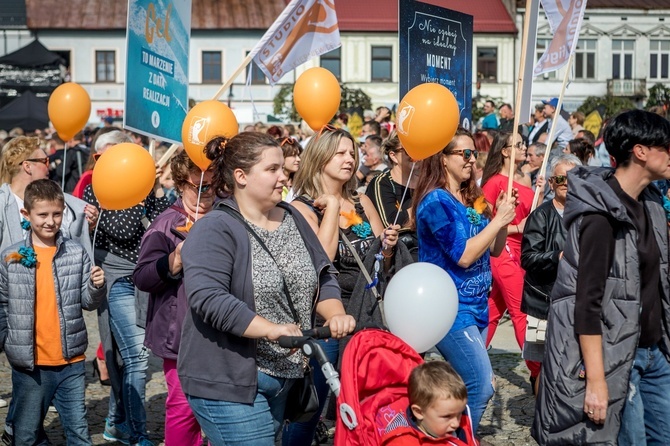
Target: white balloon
pixel 420 305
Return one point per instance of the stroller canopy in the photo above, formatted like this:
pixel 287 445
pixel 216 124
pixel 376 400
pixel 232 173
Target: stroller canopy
pixel 375 370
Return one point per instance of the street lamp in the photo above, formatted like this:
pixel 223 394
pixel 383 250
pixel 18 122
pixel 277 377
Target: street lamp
pixel 230 95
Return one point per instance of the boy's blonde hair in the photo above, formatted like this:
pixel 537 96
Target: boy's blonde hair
pixel 432 380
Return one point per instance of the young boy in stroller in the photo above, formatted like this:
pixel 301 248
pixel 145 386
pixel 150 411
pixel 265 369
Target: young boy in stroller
pixel 390 397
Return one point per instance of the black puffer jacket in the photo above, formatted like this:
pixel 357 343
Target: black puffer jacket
pixel 543 240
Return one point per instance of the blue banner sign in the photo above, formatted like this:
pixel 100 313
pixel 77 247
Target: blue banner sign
pixel 158 38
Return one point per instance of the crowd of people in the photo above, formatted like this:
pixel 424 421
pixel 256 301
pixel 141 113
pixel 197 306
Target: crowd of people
pixel 291 229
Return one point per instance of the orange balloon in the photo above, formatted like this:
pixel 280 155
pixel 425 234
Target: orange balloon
pixel 123 176
pixel 205 121
pixel 316 96
pixel 427 119
pixel 69 109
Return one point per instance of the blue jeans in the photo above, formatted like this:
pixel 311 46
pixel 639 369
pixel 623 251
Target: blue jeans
pixel 299 434
pixel 34 391
pixel 226 423
pixel 130 341
pixel 465 350
pixel 646 412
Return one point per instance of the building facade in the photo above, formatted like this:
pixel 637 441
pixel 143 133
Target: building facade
pixel 624 48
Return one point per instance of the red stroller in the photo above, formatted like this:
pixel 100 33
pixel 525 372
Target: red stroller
pixel 375 371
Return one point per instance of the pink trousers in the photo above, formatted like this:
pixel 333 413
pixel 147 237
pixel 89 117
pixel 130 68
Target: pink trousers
pixel 506 294
pixel 181 427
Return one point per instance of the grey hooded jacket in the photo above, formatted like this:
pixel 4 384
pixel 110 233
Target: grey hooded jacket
pixel 559 410
pixel 74 291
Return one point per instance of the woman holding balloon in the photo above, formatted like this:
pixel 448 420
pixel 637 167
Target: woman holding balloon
pixel 457 233
pixel 326 187
pixel 243 263
pixel 391 192
pixel 159 272
pixel 125 213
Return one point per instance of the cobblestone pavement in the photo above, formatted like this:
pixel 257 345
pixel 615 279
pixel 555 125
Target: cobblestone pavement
pixel 506 421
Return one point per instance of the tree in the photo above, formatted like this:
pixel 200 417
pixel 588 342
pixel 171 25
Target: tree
pixel 607 105
pixel 283 105
pixel 351 99
pixel 354 99
pixel 659 95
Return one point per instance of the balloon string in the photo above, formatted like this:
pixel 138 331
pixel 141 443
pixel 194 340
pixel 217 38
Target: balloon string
pixel 62 181
pixel 404 194
pixel 95 232
pixel 197 204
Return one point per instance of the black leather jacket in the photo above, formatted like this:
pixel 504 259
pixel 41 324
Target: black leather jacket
pixel 543 240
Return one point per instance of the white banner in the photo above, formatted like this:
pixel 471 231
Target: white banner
pixel 565 19
pixel 305 29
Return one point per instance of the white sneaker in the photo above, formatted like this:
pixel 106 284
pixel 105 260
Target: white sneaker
pixel 3 403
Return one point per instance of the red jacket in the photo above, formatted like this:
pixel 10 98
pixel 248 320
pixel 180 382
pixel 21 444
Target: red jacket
pixel 401 430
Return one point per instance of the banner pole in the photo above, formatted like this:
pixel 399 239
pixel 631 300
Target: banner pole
pixel 519 94
pixel 547 154
pixel 231 79
pixel 173 148
pixel 152 147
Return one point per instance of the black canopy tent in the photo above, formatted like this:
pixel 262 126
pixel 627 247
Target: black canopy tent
pixel 27 111
pixel 31 56
pixel 31 68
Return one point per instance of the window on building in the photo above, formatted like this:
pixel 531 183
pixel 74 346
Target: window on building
pixel 658 59
pixel 487 64
pixel 622 59
pixel 211 67
pixel 585 59
pixel 257 76
pixel 332 61
pixel 105 66
pixel 382 62
pixel 541 47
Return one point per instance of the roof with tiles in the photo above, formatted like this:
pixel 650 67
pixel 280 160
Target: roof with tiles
pixel 106 15
pixel 490 16
pixel 619 4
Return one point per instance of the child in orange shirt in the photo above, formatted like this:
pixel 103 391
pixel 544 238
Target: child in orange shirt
pixel 45 282
pixel 437 412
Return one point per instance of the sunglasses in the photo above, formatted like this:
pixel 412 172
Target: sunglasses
pixel 558 180
pixel 518 145
pixel 465 153
pixel 44 161
pixel 327 127
pixel 203 188
pixel 289 140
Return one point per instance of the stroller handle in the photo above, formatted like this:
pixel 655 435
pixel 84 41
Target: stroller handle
pixel 311 348
pixel 299 341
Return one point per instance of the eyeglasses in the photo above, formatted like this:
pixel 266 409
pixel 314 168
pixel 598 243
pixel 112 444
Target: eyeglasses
pixel 518 145
pixel 558 180
pixel 465 153
pixel 327 127
pixel 289 140
pixel 203 188
pixel 44 160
